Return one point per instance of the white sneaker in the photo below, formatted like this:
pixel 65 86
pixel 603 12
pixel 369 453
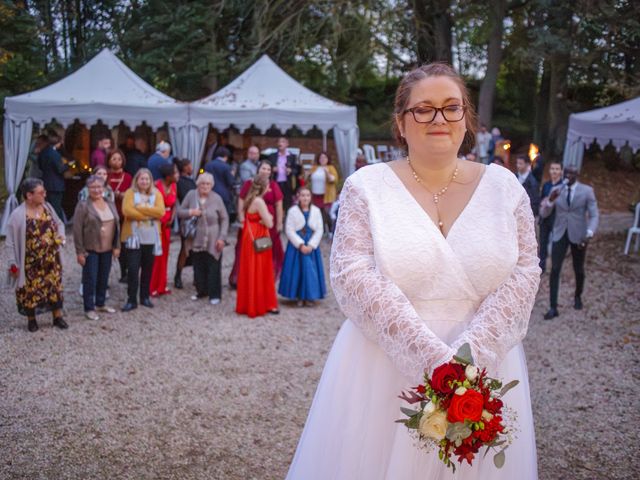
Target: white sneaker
pixel 91 315
pixel 214 301
pixel 106 309
pixel 194 297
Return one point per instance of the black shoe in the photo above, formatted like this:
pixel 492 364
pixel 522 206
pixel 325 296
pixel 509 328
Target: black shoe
pixel 129 306
pixel 177 282
pixel 552 313
pixel 577 303
pixel 275 311
pixel 60 323
pixel 146 303
pixel 32 326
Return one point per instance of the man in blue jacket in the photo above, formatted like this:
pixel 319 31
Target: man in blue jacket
pixel 53 166
pixel 223 178
pixel 161 157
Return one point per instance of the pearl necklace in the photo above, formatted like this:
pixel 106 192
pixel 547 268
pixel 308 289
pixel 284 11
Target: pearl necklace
pixel 436 196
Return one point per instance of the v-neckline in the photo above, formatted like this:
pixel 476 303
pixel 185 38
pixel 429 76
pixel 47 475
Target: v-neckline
pixel 428 217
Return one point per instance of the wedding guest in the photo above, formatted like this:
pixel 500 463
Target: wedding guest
pixel 496 137
pixel 96 235
pixel 166 187
pixel 161 157
pixel 576 212
pixel 137 157
pixel 361 161
pixel 546 224
pixel 286 171
pixel 206 246
pixel 99 154
pixel 302 273
pixel 53 168
pixel 35 234
pixel 324 177
pixel 142 208
pixel 185 185
pixel 538 167
pixel 273 198
pixel 223 178
pixel 256 283
pixel 483 139
pixel 119 181
pixel 249 168
pixel 528 181
pixel 102 174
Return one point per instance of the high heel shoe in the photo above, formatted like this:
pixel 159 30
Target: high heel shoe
pixel 32 325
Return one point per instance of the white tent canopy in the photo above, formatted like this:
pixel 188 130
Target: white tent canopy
pixel 104 89
pixel 265 96
pixel 617 124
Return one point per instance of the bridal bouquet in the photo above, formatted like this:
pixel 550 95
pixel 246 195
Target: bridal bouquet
pixel 460 411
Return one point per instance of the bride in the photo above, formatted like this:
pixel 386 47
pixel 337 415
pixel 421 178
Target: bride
pixel 430 252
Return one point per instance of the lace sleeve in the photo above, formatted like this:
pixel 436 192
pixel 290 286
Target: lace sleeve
pixel 503 317
pixel 371 300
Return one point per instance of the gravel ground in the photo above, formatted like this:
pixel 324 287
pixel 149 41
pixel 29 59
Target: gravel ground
pixel 191 391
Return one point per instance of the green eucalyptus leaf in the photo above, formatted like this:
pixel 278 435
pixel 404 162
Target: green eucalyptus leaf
pixel 499 458
pixel 408 412
pixel 463 355
pixel 509 386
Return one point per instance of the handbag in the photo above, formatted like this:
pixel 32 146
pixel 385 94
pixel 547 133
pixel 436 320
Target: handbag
pixel 260 244
pixel 188 227
pixel 133 241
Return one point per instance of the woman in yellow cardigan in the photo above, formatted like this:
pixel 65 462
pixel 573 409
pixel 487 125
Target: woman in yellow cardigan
pixel 323 179
pixel 142 209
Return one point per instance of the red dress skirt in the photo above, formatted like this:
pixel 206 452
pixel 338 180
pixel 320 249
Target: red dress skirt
pixel 256 283
pixel 158 284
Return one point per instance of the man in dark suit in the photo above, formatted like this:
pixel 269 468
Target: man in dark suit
pixel 546 224
pixel 528 181
pixel 53 167
pixel 136 157
pixel 223 177
pixel 286 171
pixel 575 224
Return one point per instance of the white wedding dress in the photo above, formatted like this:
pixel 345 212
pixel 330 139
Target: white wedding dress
pixel 413 297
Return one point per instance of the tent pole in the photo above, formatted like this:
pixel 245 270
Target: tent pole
pixel 324 140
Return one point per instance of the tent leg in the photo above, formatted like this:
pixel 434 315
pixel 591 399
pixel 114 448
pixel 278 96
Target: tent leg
pixel 324 140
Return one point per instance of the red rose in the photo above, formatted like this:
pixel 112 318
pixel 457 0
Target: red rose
pixel 466 407
pixel 444 375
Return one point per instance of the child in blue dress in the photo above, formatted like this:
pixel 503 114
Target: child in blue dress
pixel 302 277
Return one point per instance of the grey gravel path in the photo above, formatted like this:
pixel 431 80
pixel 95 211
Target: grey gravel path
pixel 192 391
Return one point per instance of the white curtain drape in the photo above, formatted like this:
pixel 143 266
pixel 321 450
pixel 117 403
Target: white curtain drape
pixel 189 142
pixel 17 141
pixel 346 140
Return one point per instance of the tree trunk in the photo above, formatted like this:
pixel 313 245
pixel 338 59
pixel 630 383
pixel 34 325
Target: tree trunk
pixel 486 98
pixel 433 27
pixel 542 109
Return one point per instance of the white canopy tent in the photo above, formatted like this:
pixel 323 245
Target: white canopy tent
pixel 104 89
pixel 617 124
pixel 265 96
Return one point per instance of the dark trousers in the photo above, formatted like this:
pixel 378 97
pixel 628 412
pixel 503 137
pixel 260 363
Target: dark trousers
pixel 55 199
pixel 287 194
pixel 139 269
pixel 546 228
pixel 207 275
pixel 95 278
pixel 558 252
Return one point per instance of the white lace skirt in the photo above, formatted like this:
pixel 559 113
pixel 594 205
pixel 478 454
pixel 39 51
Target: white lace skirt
pixel 350 433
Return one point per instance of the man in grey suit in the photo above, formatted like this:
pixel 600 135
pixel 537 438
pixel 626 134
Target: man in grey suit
pixel 575 224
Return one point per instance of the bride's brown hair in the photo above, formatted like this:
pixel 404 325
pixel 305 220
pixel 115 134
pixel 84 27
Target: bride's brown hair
pixel 436 69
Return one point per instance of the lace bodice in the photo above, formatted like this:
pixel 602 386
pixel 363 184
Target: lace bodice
pixel 420 295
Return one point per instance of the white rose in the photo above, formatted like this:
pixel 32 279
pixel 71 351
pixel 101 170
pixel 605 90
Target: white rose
pixel 429 408
pixel 471 372
pixel 434 425
pixel 460 391
pixel 486 416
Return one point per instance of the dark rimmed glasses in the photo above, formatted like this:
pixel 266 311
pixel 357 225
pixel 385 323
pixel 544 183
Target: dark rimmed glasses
pixel 423 114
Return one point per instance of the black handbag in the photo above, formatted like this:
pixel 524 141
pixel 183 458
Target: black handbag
pixel 188 227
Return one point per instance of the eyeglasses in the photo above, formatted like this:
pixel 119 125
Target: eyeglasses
pixel 451 113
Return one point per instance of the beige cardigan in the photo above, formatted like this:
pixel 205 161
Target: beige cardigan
pixel 212 226
pixel 16 240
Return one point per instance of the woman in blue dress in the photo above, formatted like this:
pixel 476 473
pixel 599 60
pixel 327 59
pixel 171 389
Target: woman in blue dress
pixel 302 276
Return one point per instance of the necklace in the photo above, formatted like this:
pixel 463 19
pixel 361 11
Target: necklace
pixel 436 196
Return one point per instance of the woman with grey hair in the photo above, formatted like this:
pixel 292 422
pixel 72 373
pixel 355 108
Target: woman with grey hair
pixel 212 226
pixel 96 234
pixel 34 236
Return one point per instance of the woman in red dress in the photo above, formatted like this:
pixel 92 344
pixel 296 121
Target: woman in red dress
pixel 119 181
pixel 273 198
pixel 256 285
pixel 167 187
